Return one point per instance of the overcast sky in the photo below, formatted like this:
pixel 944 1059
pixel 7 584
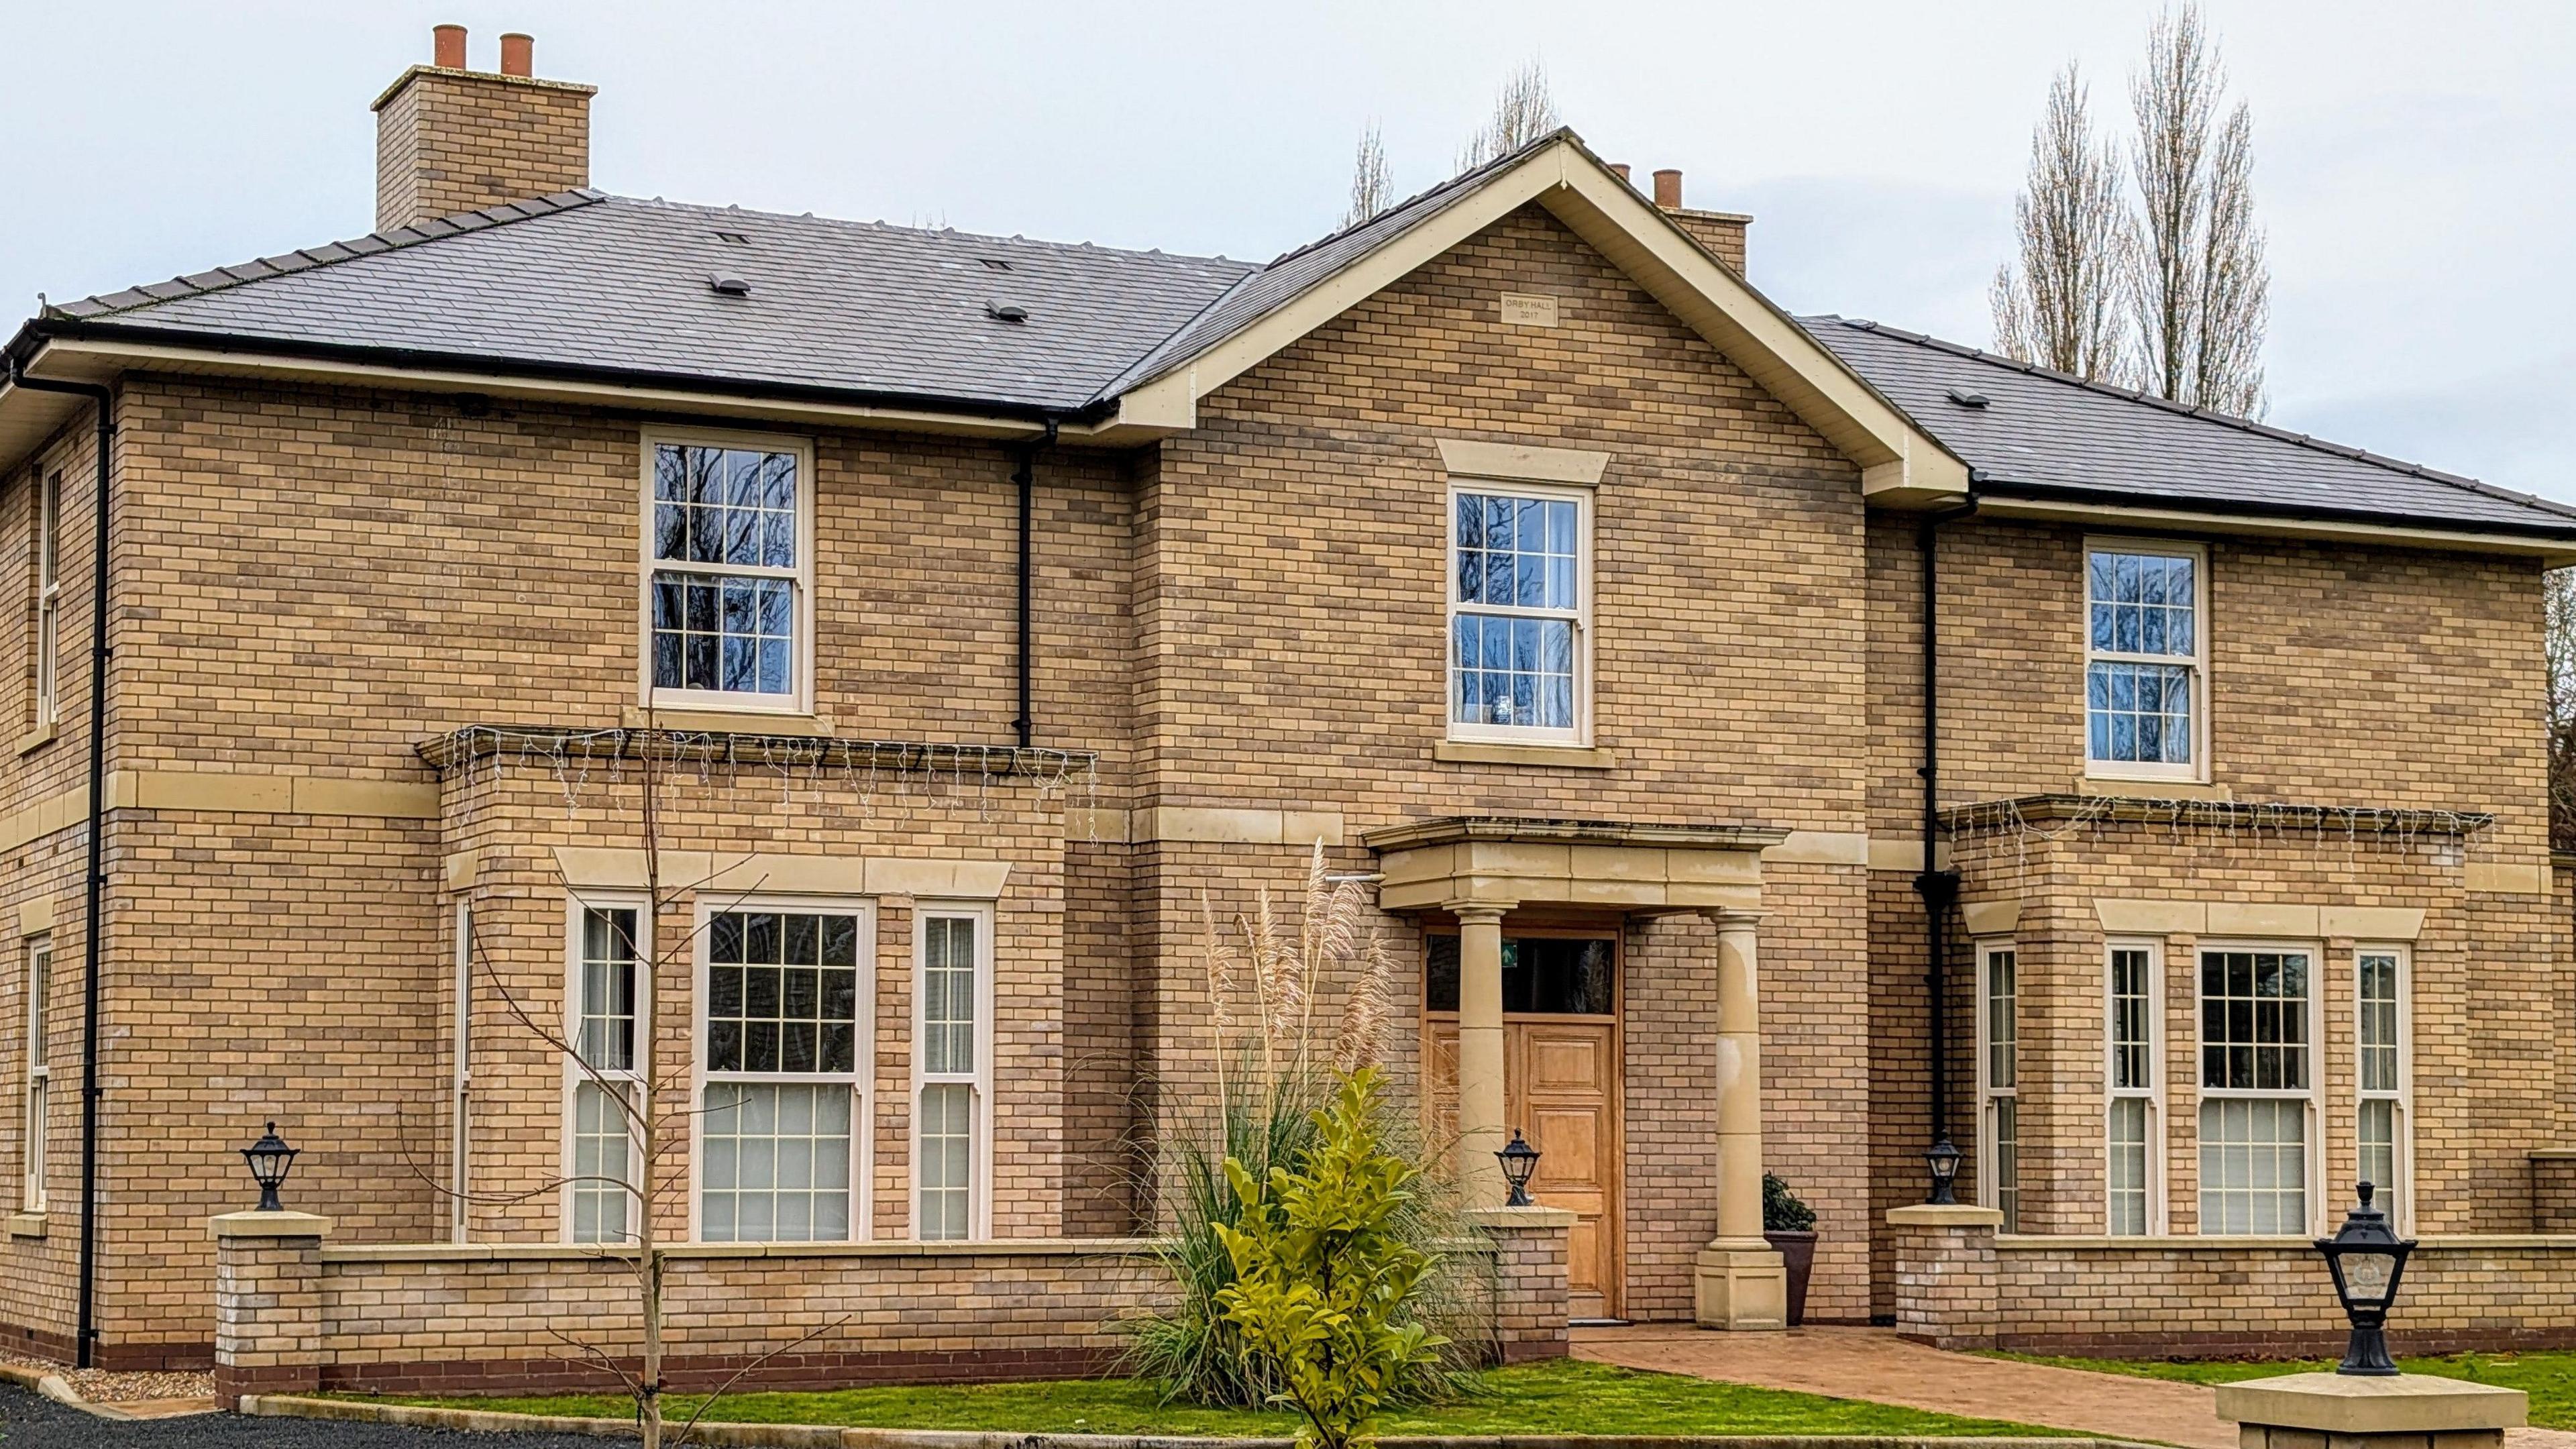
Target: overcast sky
pixel 2416 163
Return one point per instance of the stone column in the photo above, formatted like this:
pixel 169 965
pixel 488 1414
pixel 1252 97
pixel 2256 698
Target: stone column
pixel 1741 1282
pixel 1480 1052
pixel 268 1303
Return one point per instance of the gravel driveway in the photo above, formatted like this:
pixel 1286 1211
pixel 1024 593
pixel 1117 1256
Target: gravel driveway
pixel 30 1422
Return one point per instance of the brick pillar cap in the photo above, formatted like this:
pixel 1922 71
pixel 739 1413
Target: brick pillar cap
pixel 1521 1218
pixel 1945 1215
pixel 2342 1404
pixel 269 1225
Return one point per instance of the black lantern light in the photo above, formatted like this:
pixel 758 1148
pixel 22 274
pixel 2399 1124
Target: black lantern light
pixel 1519 1160
pixel 1944 1161
pixel 269 1158
pixel 2366 1257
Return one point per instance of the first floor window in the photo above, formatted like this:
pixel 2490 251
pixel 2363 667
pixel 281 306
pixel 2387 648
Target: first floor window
pixel 2145 659
pixel 606 1082
pixel 726 585
pixel 954 1011
pixel 49 592
pixel 783 1063
pixel 2132 1088
pixel 2379 978
pixel 40 971
pixel 2256 1083
pixel 1517 612
pixel 1999 1080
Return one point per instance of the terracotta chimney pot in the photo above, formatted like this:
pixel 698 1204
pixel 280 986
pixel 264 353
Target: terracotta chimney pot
pixel 447 47
pixel 1668 189
pixel 518 54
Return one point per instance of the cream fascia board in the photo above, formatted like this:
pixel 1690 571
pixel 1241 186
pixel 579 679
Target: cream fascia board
pixel 1609 214
pixel 2553 552
pixel 101 360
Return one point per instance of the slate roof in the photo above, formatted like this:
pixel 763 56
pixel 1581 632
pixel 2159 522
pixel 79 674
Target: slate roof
pixel 2045 433
pixel 583 282
pixel 590 281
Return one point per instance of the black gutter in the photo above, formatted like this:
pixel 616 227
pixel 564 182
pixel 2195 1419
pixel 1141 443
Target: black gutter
pixel 1026 476
pixel 2290 512
pixel 1938 888
pixel 503 369
pixel 95 879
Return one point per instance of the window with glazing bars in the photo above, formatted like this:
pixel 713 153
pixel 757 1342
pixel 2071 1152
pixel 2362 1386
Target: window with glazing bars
pixel 950 1077
pixel 605 985
pixel 783 1061
pixel 2379 982
pixel 1516 615
pixel 2143 674
pixel 2132 1088
pixel 2255 1082
pixel 726 573
pixel 2000 1066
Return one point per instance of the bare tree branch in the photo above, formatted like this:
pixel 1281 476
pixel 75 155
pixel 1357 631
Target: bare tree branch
pixel 739 1374
pixel 1372 187
pixel 2200 294
pixel 1523 111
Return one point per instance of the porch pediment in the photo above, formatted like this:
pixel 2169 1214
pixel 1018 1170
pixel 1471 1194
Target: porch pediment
pixel 1503 861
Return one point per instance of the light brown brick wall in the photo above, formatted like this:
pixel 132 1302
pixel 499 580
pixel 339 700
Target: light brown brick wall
pixel 450 141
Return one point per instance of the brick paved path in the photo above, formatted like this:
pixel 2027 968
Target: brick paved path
pixel 1873 1363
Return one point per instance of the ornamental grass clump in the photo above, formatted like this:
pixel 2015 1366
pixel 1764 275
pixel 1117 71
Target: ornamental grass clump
pixel 1277 1068
pixel 1323 1276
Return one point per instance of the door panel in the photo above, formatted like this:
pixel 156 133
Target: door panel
pixel 1561 1086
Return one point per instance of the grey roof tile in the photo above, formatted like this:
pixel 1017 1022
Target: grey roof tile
pixel 2046 432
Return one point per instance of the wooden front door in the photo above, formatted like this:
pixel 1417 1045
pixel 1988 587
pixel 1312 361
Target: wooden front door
pixel 1561 1088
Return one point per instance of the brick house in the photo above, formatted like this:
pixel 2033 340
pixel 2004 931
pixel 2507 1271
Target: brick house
pixel 991 601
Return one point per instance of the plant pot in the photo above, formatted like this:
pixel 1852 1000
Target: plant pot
pixel 1798 1254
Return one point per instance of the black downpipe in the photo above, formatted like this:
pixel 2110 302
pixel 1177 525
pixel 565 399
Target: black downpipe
pixel 95 879
pixel 1939 888
pixel 1026 477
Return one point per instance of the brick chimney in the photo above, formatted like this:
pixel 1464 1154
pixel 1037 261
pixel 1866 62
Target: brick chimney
pixel 449 139
pixel 1721 232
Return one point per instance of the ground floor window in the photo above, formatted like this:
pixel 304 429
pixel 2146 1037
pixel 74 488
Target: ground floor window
pixel 40 974
pixel 1999 1080
pixel 2379 981
pixel 604 1009
pixel 2131 1129
pixel 2257 1086
pixel 954 1017
pixel 785 1062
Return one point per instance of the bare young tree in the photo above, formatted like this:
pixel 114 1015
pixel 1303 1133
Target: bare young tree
pixel 2559 654
pixel 2201 293
pixel 1372 187
pixel 2062 302
pixel 1523 111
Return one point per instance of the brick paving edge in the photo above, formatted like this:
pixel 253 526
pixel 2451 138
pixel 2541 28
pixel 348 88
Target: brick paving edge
pixel 730 1435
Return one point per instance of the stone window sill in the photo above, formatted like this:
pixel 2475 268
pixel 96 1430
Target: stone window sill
pixel 36 738
pixel 2151 789
pixel 26 1225
pixel 727 722
pixel 1563 757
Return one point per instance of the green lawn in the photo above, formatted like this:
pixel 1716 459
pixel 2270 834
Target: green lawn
pixel 2550 1378
pixel 1565 1397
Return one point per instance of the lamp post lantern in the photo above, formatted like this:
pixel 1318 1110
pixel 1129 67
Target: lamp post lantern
pixel 269 1159
pixel 1519 1160
pixel 1944 1162
pixel 2367 1258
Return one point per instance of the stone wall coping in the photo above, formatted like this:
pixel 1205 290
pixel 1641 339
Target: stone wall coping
pixel 268 1225
pixel 2365 1404
pixel 2193 1243
pixel 1521 1218
pixel 1946 1215
pixel 1451 830
pixel 584 1252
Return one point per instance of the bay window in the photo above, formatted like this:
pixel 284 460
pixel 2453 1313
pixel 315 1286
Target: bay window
pixel 1519 614
pixel 953 1088
pixel 1999 1082
pixel 2380 999
pixel 2256 1089
pixel 2145 661
pixel 2131 1129
pixel 605 1009
pixel 785 1064
pixel 728 607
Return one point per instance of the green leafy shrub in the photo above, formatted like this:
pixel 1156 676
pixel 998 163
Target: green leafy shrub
pixel 1782 1211
pixel 1324 1280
